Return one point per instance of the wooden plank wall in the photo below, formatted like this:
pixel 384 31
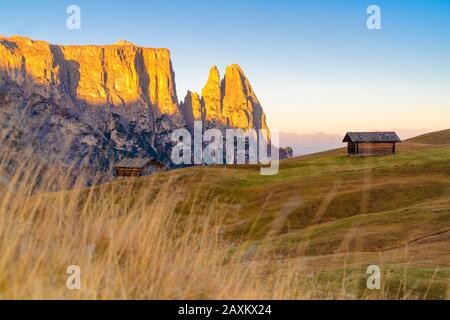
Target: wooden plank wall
pixel 122 172
pixel 376 148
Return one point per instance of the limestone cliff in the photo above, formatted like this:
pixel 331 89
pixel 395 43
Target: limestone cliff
pixel 96 104
pixel 240 106
pixel 212 97
pixel 230 102
pixel 192 109
pixel 115 75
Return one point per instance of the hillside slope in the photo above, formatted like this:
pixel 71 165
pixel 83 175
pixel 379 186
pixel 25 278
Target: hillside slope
pixel 229 233
pixel 332 211
pixel 433 138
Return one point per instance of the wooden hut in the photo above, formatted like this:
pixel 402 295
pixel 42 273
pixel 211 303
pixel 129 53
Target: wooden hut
pixel 138 167
pixel 371 143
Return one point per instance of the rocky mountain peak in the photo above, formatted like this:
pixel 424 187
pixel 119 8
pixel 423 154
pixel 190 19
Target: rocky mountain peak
pixel 240 106
pixel 212 97
pixel 104 103
pixel 124 43
pixel 192 109
pixel 230 102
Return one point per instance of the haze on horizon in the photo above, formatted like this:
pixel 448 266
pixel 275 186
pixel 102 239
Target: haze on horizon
pixel 314 66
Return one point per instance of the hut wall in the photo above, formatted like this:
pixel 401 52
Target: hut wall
pixel 128 172
pixel 351 148
pixel 375 148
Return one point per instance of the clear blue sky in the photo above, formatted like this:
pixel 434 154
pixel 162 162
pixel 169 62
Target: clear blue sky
pixel 313 64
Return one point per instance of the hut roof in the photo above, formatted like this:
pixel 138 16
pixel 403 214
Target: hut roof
pixel 137 162
pixel 371 137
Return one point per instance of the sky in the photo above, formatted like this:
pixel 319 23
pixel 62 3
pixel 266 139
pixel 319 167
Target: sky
pixel 314 65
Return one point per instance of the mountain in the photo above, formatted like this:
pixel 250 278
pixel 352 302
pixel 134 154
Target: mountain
pixel 92 105
pixel 230 102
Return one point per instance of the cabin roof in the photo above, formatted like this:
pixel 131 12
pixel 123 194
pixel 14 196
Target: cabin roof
pixel 137 162
pixel 371 137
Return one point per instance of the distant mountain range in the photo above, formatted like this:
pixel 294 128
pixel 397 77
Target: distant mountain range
pixel 310 143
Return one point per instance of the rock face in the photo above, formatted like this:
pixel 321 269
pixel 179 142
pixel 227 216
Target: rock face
pixel 116 75
pixel 240 106
pixel 192 109
pixel 230 102
pixel 96 104
pixel 212 98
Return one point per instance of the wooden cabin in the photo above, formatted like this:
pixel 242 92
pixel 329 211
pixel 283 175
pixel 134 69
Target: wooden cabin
pixel 371 143
pixel 138 167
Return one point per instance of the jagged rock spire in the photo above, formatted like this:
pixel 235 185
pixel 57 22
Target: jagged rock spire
pixel 192 109
pixel 232 101
pixel 212 98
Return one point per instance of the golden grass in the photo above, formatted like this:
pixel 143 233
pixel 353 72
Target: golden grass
pixel 127 246
pixel 433 138
pixel 158 238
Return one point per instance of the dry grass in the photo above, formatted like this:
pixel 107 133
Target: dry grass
pixel 433 138
pixel 129 242
pixel 162 238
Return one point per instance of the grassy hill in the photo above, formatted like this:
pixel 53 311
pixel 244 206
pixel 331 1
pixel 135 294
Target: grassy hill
pixel 331 206
pixel 433 138
pixel 308 232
